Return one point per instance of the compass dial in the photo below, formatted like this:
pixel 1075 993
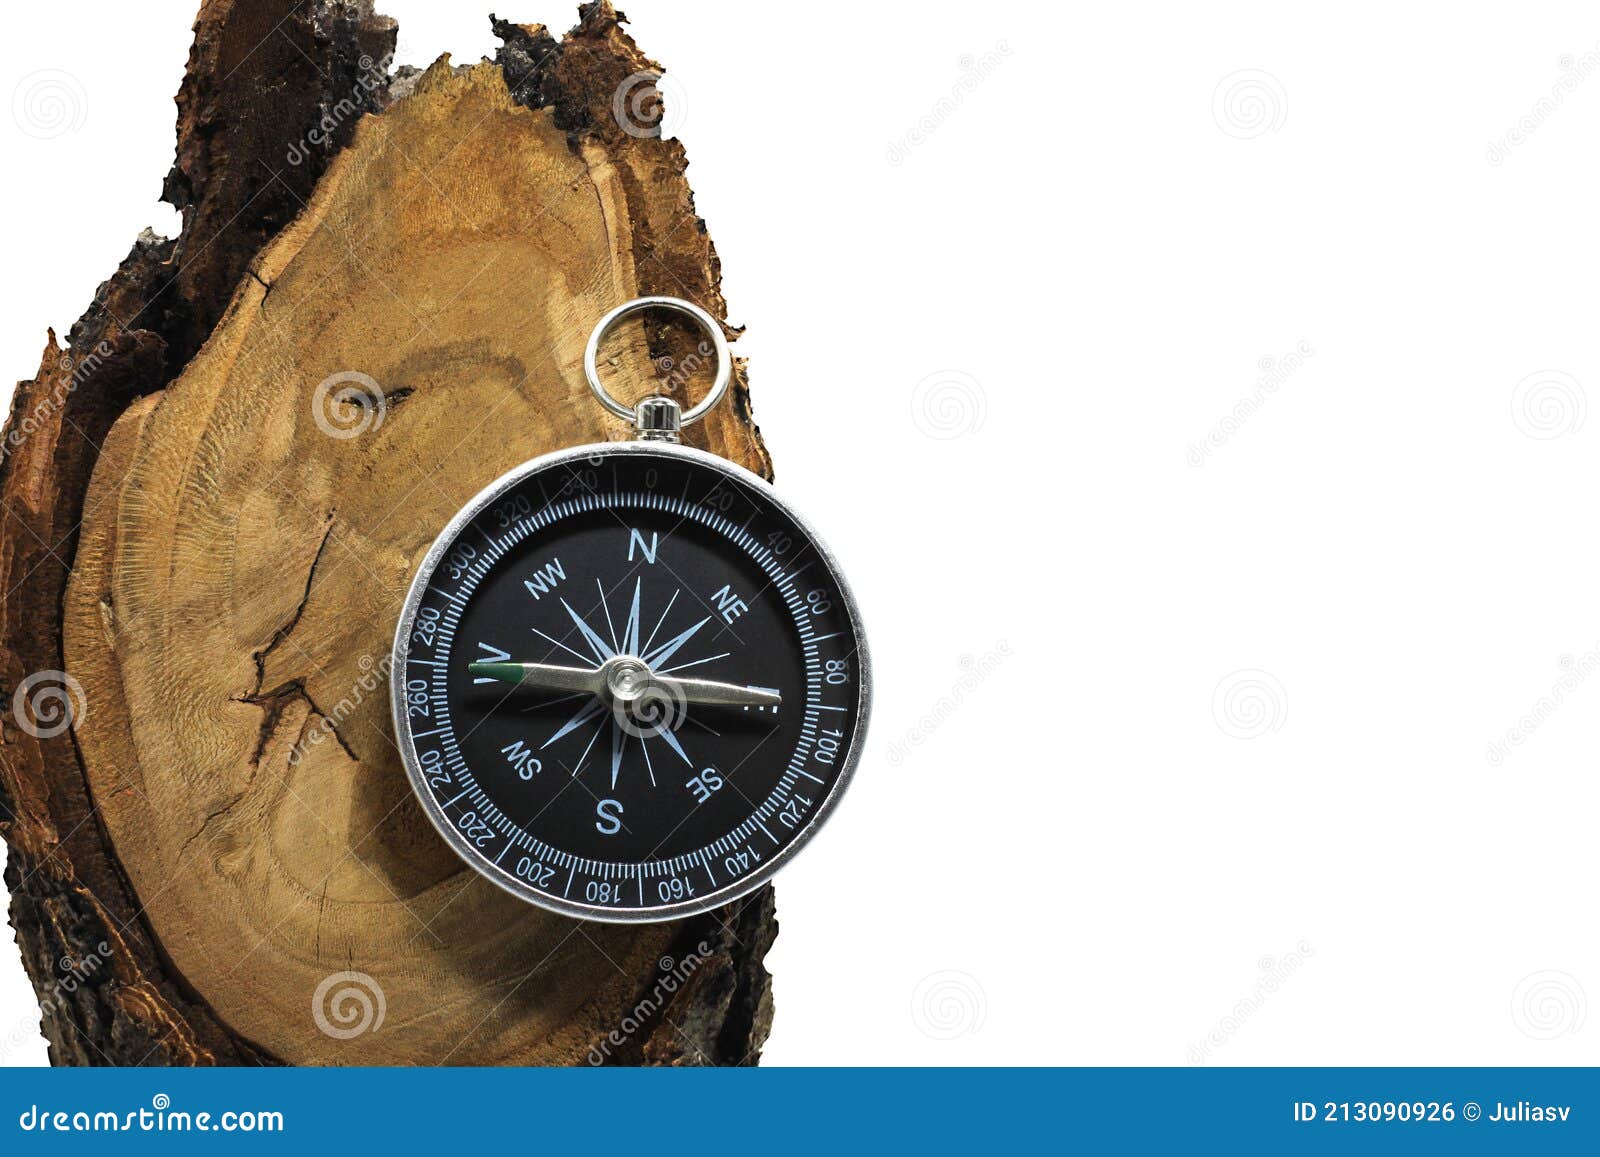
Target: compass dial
pixel 628 682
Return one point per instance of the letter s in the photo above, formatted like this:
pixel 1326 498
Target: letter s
pixel 610 813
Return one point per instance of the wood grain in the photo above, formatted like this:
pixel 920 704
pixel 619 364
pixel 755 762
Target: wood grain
pixel 212 529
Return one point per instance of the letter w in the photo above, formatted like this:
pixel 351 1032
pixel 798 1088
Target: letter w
pixel 545 578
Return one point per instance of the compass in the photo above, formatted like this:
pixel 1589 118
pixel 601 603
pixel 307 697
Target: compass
pixel 629 680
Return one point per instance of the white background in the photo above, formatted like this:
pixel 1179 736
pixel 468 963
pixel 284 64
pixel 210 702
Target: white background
pixel 1224 794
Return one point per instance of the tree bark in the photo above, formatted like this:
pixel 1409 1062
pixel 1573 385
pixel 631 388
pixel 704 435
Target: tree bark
pixel 214 497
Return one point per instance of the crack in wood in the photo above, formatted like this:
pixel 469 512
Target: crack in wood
pixel 242 100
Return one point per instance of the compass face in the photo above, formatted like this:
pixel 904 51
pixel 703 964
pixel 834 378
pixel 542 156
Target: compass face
pixel 628 682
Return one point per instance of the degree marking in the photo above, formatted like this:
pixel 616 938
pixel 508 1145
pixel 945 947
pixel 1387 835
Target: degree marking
pixel 760 554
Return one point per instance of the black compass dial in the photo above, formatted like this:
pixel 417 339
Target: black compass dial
pixel 632 682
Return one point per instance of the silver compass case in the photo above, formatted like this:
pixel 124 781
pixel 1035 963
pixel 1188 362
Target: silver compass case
pixel 711 786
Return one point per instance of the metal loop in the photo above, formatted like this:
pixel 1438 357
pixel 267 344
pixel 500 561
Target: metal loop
pixel 606 324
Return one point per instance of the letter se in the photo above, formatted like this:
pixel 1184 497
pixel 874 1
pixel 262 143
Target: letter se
pixel 703 785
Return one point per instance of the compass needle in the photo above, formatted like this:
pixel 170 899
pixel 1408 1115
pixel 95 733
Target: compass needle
pixel 509 747
pixel 719 694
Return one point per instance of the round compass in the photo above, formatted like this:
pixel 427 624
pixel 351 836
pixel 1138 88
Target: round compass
pixel 629 682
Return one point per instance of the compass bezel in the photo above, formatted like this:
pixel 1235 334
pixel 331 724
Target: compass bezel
pixel 400 654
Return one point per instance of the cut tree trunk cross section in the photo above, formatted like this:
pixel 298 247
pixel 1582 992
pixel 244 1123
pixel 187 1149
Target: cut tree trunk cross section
pixel 215 496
